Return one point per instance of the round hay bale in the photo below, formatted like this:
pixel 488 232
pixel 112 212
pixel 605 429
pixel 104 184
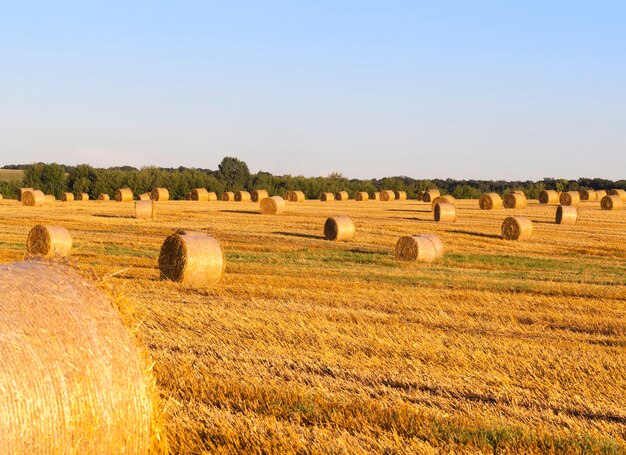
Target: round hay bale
pixel 376 196
pixel 33 198
pixel 49 198
pixel 192 259
pixel 520 192
pixel 517 228
pixel 144 197
pixel 420 195
pixel 160 194
pixel 618 192
pixel 566 214
pixel 327 197
pixel 72 378
pixel 273 205
pixel 188 196
pixel 82 197
pixel 342 196
pixel 515 201
pixel 400 195
pixel 570 198
pixel 145 209
pixel 430 195
pixel 67 197
pixel 1 197
pixel 243 196
pixel 199 194
pixel 490 201
pixel 387 195
pixel 448 199
pixel 259 195
pixel 362 196
pixel 295 196
pixel 415 248
pixel 549 197
pixel 445 212
pixel 340 228
pixel 104 197
pixel 21 192
pixel 49 241
pixel 124 195
pixel 212 196
pixel 437 243
pixel 600 194
pixel 588 195
pixel 611 202
pixel 228 196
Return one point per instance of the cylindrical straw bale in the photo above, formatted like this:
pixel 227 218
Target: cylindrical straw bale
pixel 570 198
pixel 212 196
pixel 415 248
pixel 566 214
pixel 490 201
pixel 199 194
pixel 49 241
pixel 515 201
pixel 611 202
pixel 362 196
pixel 104 197
pixel 145 209
pixel 549 197
pixel 242 196
pixel 600 194
pixel 50 198
pixel 33 198
pixel 588 195
pixel 21 192
pixel 71 376
pixel 124 195
pixel 445 212
pixel 67 197
pixel 376 196
pixel 400 195
pixel 191 259
pixel 420 195
pixel 259 195
pixel 327 197
pixel 295 196
pixel 160 194
pixel 228 196
pixel 1 197
pixel 339 228
pixel 387 195
pixel 342 196
pixel 437 243
pixel 272 205
pixel 448 199
pixel 82 197
pixel 144 197
pixel 429 195
pixel 520 192
pixel 188 196
pixel 618 192
pixel 517 228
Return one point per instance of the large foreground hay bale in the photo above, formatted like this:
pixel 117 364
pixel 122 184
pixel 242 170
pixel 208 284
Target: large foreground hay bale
pixel 445 212
pixel 72 379
pixel 517 228
pixel 376 196
pixel 295 196
pixel 387 195
pixel 490 201
pixel 228 196
pixel 400 195
pixel 49 198
pixel 145 209
pixel 549 197
pixel 340 228
pixel 515 200
pixel 416 248
pixel 191 258
pixel 243 196
pixel 570 198
pixel 618 192
pixel 67 197
pixel 342 196
pixel 124 195
pixel 259 195
pixel 21 191
pixel 588 195
pixel 612 202
pixel 160 194
pixel 326 197
pixel 362 196
pixel 144 197
pixel 104 197
pixel 566 214
pixel 49 241
pixel 272 205
pixel 437 243
pixel 447 199
pixel 199 194
pixel 33 198
pixel 429 195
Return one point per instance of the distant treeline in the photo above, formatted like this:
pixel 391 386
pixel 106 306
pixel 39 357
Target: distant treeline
pixel 233 175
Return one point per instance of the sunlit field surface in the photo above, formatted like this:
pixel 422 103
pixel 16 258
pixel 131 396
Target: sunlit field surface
pixel 313 346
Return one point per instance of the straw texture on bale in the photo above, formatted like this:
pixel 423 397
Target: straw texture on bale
pixel 199 194
pixel 448 199
pixel 520 192
pixel 104 197
pixel 430 195
pixel 21 192
pixel 588 195
pixel 327 197
pixel 445 212
pixel 49 241
pixel 144 197
pixel 570 198
pixel 33 198
pixel 191 258
pixel 124 195
pixel 515 201
pixel 517 228
pixel 618 192
pixel 145 209
pixel 437 243
pixel 242 196
pixel 160 194
pixel 600 194
pixel 387 195
pixel 362 196
pixel 566 214
pixel 342 196
pixel 611 202
pixel 259 195
pixel 549 197
pixel 295 196
pixel 72 378
pixel 376 196
pixel 340 228
pixel 67 197
pixel 228 196
pixel 490 201
pixel 49 198
pixel 415 248
pixel 400 195
pixel 188 196
pixel 273 205
pixel 82 197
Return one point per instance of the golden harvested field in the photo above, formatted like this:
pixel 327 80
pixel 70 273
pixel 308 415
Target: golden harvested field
pixel 310 346
pixel 10 175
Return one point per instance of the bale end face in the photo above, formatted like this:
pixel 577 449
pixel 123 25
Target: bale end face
pixel 49 241
pixel 192 259
pixel 339 228
pixel 517 228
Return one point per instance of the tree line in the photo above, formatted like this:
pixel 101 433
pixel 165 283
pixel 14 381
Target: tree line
pixel 233 174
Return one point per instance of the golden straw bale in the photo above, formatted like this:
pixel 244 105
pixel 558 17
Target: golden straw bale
pixel 362 196
pixel 415 248
pixel 549 197
pixel 566 214
pixel 387 195
pixel 600 194
pixel 199 194
pixel 72 378
pixel 437 243
pixel 515 201
pixel 1 197
pixel 124 195
pixel 212 196
pixel 82 197
pixel 191 258
pixel 420 195
pixel 259 195
pixel 228 196
pixel 144 197
pixel 611 202
pixel 588 195
pixel 327 197
pixel 295 196
pixel 618 192
pixel 570 198
pixel 49 241
pixel 242 196
pixel 339 228
pixel 430 195
pixel 145 209
pixel 272 205
pixel 520 192
pixel 400 195
pixel 160 194
pixel 342 196
pixel 490 201
pixel 448 199
pixel 49 198
pixel 445 212
pixel 517 228
pixel 67 197
pixel 21 192
pixel 376 196
pixel 104 197
pixel 33 198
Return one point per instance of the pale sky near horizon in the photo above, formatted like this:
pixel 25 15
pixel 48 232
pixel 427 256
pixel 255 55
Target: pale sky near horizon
pixel 485 90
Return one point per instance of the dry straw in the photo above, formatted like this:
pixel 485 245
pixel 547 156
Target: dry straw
pixel 71 376
pixel 445 212
pixel 33 198
pixel 242 196
pixel 192 258
pixel 340 228
pixel 448 199
pixel 20 193
pixel 566 214
pixel 437 243
pixel 549 197
pixel 376 196
pixel 362 196
pixel 228 196
pixel 144 197
pixel 1 197
pixel 160 194
pixel 327 197
pixel 600 194
pixel 588 195
pixel 618 192
pixel 515 200
pixel 199 194
pixel 611 202
pixel 490 201
pixel 49 198
pixel 387 195
pixel 49 241
pixel 145 209
pixel 517 228
pixel 342 196
pixel 104 197
pixel 82 197
pixel 418 248
pixel 570 198
pixel 259 195
pixel 272 205
pixel 295 196
pixel 124 195
pixel 400 195
pixel 430 195
pixel 67 197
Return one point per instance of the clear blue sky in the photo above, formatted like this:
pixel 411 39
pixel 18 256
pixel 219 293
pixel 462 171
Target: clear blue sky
pixel 367 88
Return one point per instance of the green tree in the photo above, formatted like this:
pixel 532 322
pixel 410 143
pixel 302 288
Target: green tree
pixel 49 178
pixel 234 173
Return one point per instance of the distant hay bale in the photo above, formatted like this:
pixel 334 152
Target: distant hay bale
pixel 387 195
pixel 490 201
pixel 124 195
pixel 21 192
pixel 376 196
pixel 191 258
pixel 199 194
pixel 340 228
pixel 327 197
pixel 72 378
pixel 272 205
pixel 67 197
pixel 342 196
pixel 588 195
pixel 600 194
pixel 420 195
pixel 144 197
pixel 570 198
pixel 517 228
pixel 49 198
pixel 160 194
pixel 448 199
pixel 445 212
pixel 400 195
pixel 49 241
pixel 618 192
pixel 145 209
pixel 33 198
pixel 415 248
pixel 243 196
pixel 188 196
pixel 259 195
pixel 548 197
pixel 566 214
pixel 228 196
pixel 212 196
pixel 82 197
pixel 437 243
pixel 429 195
pixel 520 192
pixel 515 200
pixel 1 197
pixel 104 197
pixel 611 202
pixel 295 196
pixel 362 196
